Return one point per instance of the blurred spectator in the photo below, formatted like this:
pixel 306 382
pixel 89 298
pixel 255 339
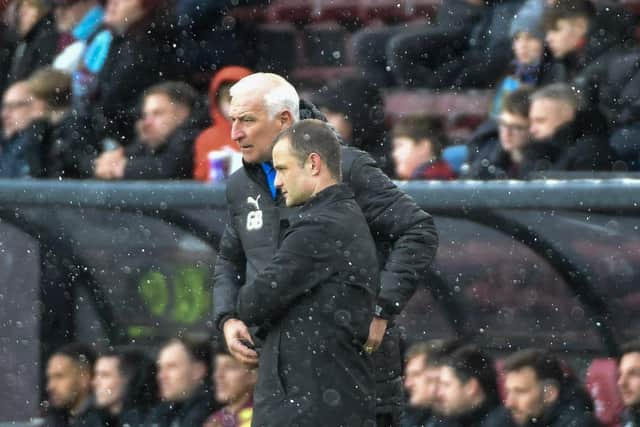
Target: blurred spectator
pixel 355 107
pixel 468 389
pixel 69 376
pixel 7 45
pixel 629 382
pixel 37 38
pixel 234 385
pixel 124 387
pixel 67 149
pixel 183 372
pixel 134 51
pixel 530 61
pixel 163 148
pixel 23 131
pixel 77 21
pixel 620 103
pixel 497 148
pixel 421 379
pixel 540 392
pixel 567 138
pixel 417 148
pixel 583 41
pixel 218 136
pixel 467 48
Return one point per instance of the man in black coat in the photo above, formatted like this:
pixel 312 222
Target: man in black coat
pixel 166 133
pixel 565 138
pixel 69 377
pixel 263 105
pixel 315 298
pixel 540 393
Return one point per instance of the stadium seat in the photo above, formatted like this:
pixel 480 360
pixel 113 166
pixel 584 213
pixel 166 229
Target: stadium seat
pixel 325 44
pixel 455 155
pixel 292 11
pixel 601 381
pixel 277 46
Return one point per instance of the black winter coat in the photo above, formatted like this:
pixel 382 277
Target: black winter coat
pixel 405 235
pixel 487 415
pixel 172 160
pixel 573 408
pixel 193 412
pixel 572 148
pixel 90 416
pixel 35 50
pixel 69 150
pixel 315 300
pixel 21 155
pixel 620 91
pixel 141 57
pixel 631 418
pixel 487 160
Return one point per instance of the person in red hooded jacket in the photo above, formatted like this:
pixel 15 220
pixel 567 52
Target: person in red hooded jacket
pixel 218 136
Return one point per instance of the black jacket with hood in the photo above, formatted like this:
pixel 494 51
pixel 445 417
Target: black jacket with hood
pixel 405 236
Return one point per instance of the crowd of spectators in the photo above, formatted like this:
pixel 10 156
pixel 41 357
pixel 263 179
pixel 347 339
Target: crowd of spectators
pixel 114 89
pixel 448 383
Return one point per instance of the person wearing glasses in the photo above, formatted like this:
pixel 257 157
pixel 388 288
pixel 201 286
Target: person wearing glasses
pixel 496 151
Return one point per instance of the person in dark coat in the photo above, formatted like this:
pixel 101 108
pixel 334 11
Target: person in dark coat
pixel 469 49
pixel 38 38
pixel 315 298
pixel 468 390
pixel 166 133
pixel 355 107
pixel 496 149
pixel 69 376
pixel 629 382
pixel 619 99
pixel 24 130
pixel 67 149
pixel 539 392
pixel 262 105
pixel 565 137
pixel 184 386
pixel 134 51
pixel 583 40
pixel 124 387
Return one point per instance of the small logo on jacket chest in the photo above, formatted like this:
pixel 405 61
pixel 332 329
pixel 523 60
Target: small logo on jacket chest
pixel 254 218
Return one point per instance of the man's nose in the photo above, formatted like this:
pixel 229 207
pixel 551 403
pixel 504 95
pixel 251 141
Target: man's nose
pixel 236 132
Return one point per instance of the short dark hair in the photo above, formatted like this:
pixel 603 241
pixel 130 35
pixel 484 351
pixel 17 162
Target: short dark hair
pixel 81 354
pixel 433 351
pixel 140 373
pixel 566 9
pixel 546 366
pixel 178 92
pixel 518 101
pixel 632 346
pixel 315 136
pixel 419 128
pixel 470 362
pixel 199 350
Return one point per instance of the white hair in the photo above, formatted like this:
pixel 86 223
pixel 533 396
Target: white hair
pixel 277 93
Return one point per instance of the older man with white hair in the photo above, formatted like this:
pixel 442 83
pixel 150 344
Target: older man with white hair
pixel 263 105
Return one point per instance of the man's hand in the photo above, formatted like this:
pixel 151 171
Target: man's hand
pixel 376 333
pixel 110 164
pixel 235 333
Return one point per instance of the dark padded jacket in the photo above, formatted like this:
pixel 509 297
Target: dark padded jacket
pixel 405 236
pixel 315 300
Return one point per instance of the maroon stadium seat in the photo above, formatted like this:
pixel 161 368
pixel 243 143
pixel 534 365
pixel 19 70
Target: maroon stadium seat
pixel 601 381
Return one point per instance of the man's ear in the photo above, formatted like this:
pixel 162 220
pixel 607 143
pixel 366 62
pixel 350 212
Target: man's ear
pixel 199 371
pixel 285 118
pixel 315 163
pixel 550 393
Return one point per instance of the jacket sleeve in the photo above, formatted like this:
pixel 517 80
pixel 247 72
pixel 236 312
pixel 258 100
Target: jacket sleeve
pixel 394 217
pixel 228 274
pixel 290 274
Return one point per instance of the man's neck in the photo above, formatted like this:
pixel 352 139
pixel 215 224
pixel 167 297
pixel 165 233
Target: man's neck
pixel 323 184
pixel 238 404
pixel 80 406
pixel 115 409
